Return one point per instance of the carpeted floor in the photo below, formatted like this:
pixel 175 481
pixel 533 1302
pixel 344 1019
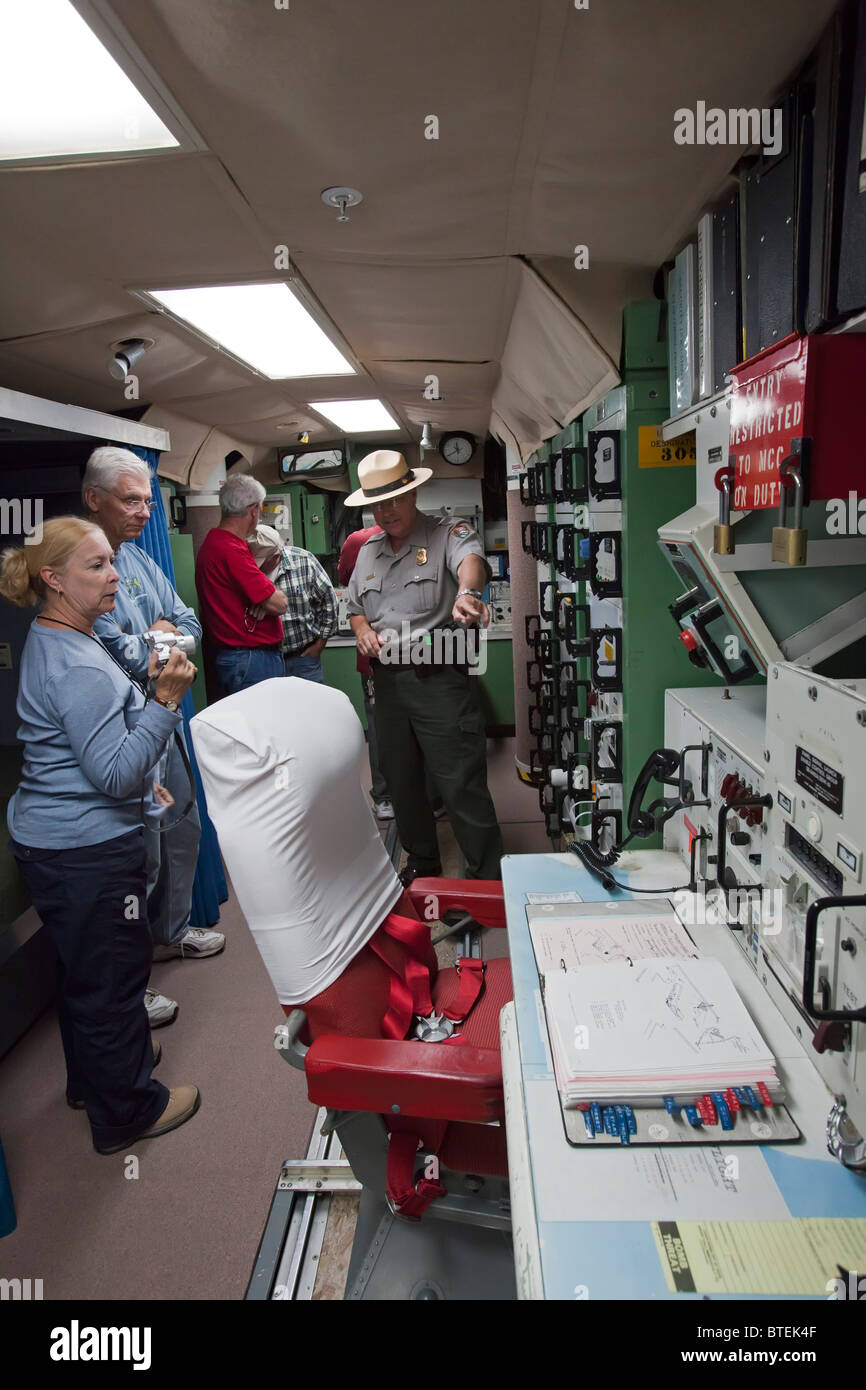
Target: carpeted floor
pixel 188 1223
pixel 187 1226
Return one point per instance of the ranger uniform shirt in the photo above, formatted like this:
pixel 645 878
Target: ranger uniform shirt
pixel 419 583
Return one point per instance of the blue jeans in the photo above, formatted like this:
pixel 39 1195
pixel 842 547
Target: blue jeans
pixel 306 668
pixel 240 667
pixel 172 858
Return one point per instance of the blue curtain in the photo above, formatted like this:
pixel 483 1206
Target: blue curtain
pixel 8 1220
pixel 210 887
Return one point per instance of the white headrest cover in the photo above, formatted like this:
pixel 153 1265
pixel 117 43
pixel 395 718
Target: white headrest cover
pixel 280 764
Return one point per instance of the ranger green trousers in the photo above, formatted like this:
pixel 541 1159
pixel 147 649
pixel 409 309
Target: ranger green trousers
pixel 436 720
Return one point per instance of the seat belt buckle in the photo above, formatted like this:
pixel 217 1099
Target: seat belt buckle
pixel 435 1028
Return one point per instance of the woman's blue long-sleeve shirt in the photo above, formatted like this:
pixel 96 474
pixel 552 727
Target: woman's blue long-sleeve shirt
pixel 90 743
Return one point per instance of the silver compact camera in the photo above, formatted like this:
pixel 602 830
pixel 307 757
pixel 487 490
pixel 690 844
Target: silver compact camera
pixel 164 643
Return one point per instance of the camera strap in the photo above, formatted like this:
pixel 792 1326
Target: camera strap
pixel 163 829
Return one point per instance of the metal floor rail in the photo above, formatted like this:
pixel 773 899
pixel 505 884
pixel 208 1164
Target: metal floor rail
pixel 287 1260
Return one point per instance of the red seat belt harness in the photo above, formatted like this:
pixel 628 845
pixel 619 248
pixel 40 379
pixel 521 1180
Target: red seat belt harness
pixel 410 983
pixel 410 996
pixel 406 1197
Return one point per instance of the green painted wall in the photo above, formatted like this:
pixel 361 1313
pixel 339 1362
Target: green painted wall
pixel 184 576
pixel 338 667
pixel 653 657
pixel 496 684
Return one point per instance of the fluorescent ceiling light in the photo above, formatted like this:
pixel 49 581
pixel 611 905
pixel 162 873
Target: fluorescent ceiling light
pixel 357 417
pixel 62 93
pixel 265 326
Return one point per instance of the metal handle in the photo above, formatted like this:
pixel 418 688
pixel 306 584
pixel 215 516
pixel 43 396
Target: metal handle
pixel 287 1039
pixel 722 843
pixel 809 960
pixel 527 482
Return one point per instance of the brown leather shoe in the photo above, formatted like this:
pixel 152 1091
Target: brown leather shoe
pixel 183 1102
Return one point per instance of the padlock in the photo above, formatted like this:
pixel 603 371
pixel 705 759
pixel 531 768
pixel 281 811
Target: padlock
pixel 723 531
pixel 789 542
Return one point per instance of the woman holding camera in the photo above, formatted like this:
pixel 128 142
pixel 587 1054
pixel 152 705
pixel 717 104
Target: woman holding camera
pixel 91 740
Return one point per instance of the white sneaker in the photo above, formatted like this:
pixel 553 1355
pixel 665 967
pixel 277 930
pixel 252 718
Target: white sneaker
pixel 196 942
pixel 384 810
pixel 160 1010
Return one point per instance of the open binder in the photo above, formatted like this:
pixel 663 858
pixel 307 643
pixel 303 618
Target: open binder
pixel 650 1041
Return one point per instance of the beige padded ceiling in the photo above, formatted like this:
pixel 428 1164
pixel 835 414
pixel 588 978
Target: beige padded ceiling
pixel 555 130
pixel 552 368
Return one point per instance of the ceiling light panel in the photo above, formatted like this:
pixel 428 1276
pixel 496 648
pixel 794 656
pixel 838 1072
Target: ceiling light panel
pixel 62 93
pixel 265 326
pixel 357 417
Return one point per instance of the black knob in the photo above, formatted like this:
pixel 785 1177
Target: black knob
pixel 739 837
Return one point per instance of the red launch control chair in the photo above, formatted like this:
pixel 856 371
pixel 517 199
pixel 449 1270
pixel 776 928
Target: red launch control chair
pixel 420 1100
pixel 421 1122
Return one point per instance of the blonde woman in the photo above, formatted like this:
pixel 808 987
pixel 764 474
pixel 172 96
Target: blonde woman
pixel 91 740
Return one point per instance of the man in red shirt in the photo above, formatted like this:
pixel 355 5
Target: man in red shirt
pixel 232 590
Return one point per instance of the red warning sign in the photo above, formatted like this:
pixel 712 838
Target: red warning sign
pixel 801 388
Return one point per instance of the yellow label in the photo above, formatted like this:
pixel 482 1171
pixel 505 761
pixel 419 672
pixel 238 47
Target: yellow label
pixel 655 452
pixel 797 1258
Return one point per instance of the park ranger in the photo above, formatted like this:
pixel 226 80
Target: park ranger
pixel 415 591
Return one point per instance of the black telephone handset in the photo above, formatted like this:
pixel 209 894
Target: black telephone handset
pixel 662 765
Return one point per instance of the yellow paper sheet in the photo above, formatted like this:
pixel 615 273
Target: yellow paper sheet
pixel 801 1256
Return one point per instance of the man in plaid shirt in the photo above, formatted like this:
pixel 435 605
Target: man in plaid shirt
pixel 311 617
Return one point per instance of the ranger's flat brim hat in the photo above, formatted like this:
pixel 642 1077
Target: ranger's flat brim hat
pixel 384 474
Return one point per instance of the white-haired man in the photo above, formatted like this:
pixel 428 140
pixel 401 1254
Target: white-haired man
pixel 239 607
pixel 116 490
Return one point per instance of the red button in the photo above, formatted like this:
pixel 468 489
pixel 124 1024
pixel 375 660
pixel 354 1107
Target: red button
pixel 689 640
